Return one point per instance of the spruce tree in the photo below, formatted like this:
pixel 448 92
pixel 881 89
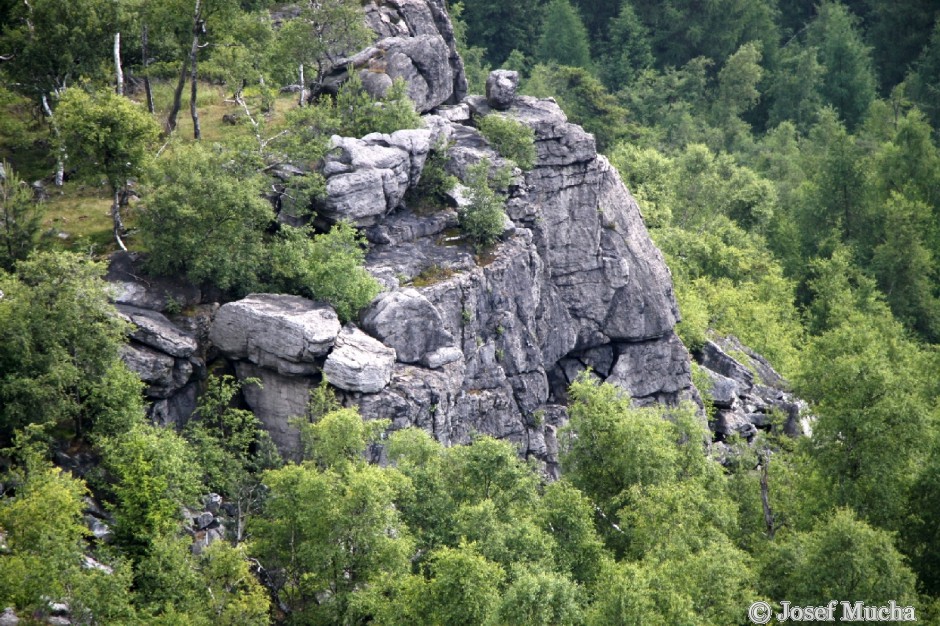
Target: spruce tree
pixel 564 38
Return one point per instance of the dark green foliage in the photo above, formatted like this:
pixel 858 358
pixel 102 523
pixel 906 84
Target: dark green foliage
pixel 435 183
pixel 229 442
pixel 326 267
pixel 923 80
pixel 60 359
pixel 106 134
pixel 204 220
pixel 848 80
pixel 842 557
pixel 564 40
pixel 483 219
pixel 512 139
pixel 584 99
pixel 358 114
pixel 154 474
pixel 500 27
pixel 20 218
pixel 627 51
pixel 54 44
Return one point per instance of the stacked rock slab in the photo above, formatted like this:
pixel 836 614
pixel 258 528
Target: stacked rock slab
pixel 747 393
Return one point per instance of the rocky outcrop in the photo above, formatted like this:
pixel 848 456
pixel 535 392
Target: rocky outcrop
pixel 747 393
pixel 501 88
pixel 463 341
pixel 287 334
pixel 165 353
pixel 367 178
pixel 415 42
pixel 359 363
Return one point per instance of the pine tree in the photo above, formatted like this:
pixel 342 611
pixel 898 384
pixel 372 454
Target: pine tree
pixel 564 38
pixel 848 80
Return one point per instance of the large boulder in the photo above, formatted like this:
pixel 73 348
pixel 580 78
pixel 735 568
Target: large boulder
pixel 359 363
pixel 408 322
pixel 288 334
pixel 414 41
pixel 501 88
pixel 367 178
pixel 155 330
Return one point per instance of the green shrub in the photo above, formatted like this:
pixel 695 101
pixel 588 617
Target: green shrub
pixel 483 219
pixel 204 220
pixel 323 267
pixel 513 140
pixel 359 114
pixel 435 183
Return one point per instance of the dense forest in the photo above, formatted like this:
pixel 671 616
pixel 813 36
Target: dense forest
pixel 785 157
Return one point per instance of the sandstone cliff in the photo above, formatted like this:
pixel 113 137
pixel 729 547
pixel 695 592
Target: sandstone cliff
pixel 457 343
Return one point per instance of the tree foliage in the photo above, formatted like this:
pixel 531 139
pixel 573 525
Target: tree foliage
pixel 60 359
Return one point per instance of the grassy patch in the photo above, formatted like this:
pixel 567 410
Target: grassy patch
pixel 432 275
pixel 82 212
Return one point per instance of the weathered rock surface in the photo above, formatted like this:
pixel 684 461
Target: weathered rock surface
pixel 747 392
pixel 275 401
pixel 359 363
pixel 367 178
pixel 155 330
pixel 463 342
pixel 415 42
pixel 408 322
pixel 285 333
pixel 501 88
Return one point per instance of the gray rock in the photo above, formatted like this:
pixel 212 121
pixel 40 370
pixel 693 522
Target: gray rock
pixel 154 368
pixel 409 323
pixel 90 563
pixel 276 401
pixel 724 391
pixel 175 410
pixel 203 520
pixel 125 275
pixel 100 530
pixel 659 366
pixel 717 360
pixel 440 68
pixel 501 88
pixel 213 503
pixel 155 330
pixel 367 178
pixel 359 363
pixel 284 333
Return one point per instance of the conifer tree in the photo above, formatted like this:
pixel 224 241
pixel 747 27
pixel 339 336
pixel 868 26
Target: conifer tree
pixel 564 39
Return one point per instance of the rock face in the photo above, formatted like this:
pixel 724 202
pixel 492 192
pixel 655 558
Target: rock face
pixel 415 42
pixel 165 353
pixel 747 392
pixel 287 334
pixel 359 363
pixel 367 178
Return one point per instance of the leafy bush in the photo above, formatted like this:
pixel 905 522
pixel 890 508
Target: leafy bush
pixel 483 219
pixel 204 220
pixel 324 267
pixel 512 139
pixel 20 218
pixel 435 183
pixel 359 113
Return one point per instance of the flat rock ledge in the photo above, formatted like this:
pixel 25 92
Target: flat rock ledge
pixel 287 334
